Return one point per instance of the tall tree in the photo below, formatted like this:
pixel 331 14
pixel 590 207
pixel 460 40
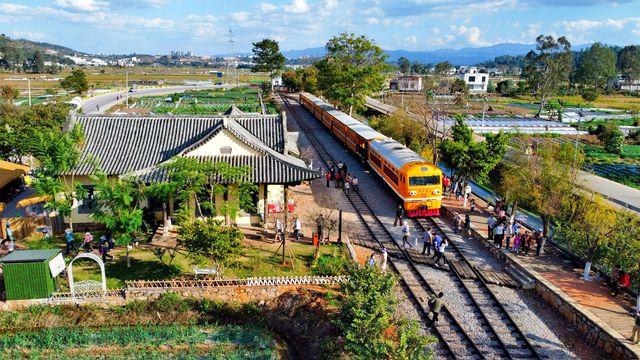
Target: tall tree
pixel 442 68
pixel 267 57
pixel 292 79
pixel 352 69
pixel 547 68
pixel 404 65
pixel 211 240
pixel 310 79
pixel 430 111
pixel 629 63
pixel 38 62
pixel 595 67
pixel 76 81
pixel 117 207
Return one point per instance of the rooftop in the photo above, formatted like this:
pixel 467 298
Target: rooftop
pixel 23 256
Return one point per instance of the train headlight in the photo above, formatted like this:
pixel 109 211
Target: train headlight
pixel 436 192
pixel 413 193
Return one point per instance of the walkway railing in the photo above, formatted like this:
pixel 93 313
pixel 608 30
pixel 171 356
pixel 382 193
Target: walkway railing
pixel 254 281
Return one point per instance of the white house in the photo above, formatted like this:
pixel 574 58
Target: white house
pixel 407 83
pixel 475 80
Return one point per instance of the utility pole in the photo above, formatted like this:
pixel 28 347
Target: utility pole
pixel 126 86
pixel 29 85
pixel 483 106
pixel 231 49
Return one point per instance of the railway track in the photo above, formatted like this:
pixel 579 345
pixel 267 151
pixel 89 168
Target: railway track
pixel 455 341
pixel 493 314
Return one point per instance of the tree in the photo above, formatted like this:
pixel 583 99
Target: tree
pixel 404 65
pixel 471 160
pixel 212 240
pixel 310 79
pixel 165 192
pixel 369 330
pixel 595 67
pixel 491 87
pixel 541 177
pixel 12 56
pixel 402 127
pixel 507 87
pixel 352 69
pixel 292 80
pixel 612 138
pixel 58 154
pixel 38 62
pixel 430 112
pixel 442 68
pixel 76 81
pixel 418 68
pixel 629 63
pixel 117 208
pixel 267 57
pixel 547 68
pixel 9 93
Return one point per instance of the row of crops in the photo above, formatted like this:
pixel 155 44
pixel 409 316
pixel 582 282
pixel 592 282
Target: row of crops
pixel 141 342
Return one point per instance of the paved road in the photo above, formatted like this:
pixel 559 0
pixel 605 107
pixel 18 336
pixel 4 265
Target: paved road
pixel 101 103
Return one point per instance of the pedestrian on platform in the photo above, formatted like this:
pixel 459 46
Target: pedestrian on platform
pixel 615 274
pixel 458 192
pixel 354 184
pixel 435 305
pixel 332 171
pixel 399 213
pixel 528 239
pixel 635 334
pixel 327 176
pixel 467 194
pixel 516 243
pixel 405 234
pixel 539 235
pixel 472 204
pixel 344 168
pixel 624 282
pixel 347 187
pixel 441 256
pixel 383 267
pixel 508 233
pixel 491 224
pixel 498 234
pixel 456 222
pixel 427 237
pixel 446 183
pixel 340 165
pixel 347 178
pixel 297 228
pixel 371 262
pixel 437 240
pixel 338 179
pixel 88 239
pixel 467 224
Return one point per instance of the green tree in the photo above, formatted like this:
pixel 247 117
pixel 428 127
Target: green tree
pixel 491 87
pixel 58 153
pixel 310 79
pixel 595 67
pixel 611 137
pixel 292 80
pixel 442 68
pixel 38 62
pixel 12 56
pixel 541 177
pixel 164 192
pixel 366 319
pixel 507 87
pixel 117 207
pixel 76 81
pixel 9 93
pixel 629 63
pixel 267 57
pixel 352 69
pixel 210 239
pixel 404 65
pixel 547 68
pixel 471 160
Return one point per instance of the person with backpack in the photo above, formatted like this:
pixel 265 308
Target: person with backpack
pixel 70 241
pixel 104 249
pixel 435 305
pixel 624 282
pixel 441 256
pixel 88 239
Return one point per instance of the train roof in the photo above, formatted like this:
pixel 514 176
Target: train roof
pixel 359 128
pixel 395 153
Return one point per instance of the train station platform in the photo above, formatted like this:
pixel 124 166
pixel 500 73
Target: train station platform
pixel 606 320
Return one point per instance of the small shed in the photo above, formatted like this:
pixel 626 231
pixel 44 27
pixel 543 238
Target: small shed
pixel 31 274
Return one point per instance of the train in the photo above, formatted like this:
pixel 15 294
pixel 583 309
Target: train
pixel 416 182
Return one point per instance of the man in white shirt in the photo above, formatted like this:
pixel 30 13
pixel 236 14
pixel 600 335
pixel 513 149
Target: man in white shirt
pixel 297 228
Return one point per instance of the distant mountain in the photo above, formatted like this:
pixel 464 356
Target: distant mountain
pixel 464 56
pixel 31 46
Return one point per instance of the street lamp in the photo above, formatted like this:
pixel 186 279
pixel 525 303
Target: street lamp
pixel 484 98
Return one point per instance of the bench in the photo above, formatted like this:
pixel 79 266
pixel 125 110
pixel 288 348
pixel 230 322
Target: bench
pixel 204 271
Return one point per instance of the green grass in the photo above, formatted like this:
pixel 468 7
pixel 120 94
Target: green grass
pixel 597 152
pixel 183 341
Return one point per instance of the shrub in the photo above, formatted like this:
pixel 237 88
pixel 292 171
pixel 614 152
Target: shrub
pixel 589 95
pixel 612 138
pixel 136 306
pixel 329 265
pixel 171 302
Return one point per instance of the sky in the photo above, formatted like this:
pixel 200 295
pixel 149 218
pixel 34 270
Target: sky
pixel 202 26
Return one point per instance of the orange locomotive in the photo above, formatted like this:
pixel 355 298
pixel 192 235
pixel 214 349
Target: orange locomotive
pixel 414 180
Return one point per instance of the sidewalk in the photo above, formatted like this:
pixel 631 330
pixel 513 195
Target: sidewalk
pixel 592 296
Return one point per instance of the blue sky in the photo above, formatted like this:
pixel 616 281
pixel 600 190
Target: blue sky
pixel 202 26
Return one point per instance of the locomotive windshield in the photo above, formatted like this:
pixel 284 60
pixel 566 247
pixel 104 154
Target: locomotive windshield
pixel 424 180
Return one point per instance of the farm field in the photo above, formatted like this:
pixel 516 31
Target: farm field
pixel 141 342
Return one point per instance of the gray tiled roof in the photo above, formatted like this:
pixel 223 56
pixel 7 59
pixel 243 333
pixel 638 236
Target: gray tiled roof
pixel 137 145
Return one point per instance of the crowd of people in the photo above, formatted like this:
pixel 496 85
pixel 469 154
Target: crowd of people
pixel 104 245
pixel 342 178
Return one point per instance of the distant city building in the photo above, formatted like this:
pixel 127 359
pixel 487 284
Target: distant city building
pixel 407 83
pixel 621 82
pixel 475 80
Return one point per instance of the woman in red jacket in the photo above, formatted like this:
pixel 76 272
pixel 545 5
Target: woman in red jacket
pixel 623 283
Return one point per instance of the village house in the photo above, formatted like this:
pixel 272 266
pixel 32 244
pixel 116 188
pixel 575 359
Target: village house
pixel 139 146
pixel 475 80
pixel 407 83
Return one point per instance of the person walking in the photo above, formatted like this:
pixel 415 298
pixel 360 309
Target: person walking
pixel 405 234
pixel 527 242
pixel 539 241
pixel 467 224
pixel 104 249
pixel 297 228
pixel 383 267
pixel 446 182
pixel 635 334
pixel 427 237
pixel 508 232
pixel 354 184
pixel 615 274
pixel 9 233
pixel 467 194
pixel 70 241
pixel 435 305
pixel 491 224
pixel 327 176
pixel 88 239
pixel 332 171
pixel 441 255
pixel 516 243
pixel 347 187
pixel 279 231
pixel 498 235
pixel 399 213
pixel 437 240
pixel 372 261
pixel 472 204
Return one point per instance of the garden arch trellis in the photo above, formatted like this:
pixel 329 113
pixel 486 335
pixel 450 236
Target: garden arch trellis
pixel 87 285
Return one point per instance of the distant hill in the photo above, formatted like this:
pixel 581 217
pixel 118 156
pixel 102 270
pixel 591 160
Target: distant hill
pixel 30 46
pixel 464 56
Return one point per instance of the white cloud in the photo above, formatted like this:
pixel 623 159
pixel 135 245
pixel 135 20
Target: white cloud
pixel 241 16
pixel 297 7
pixel 82 5
pixel 585 25
pixel 411 40
pixel 29 35
pixel 373 21
pixel 268 7
pixel 472 35
pixel 13 9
